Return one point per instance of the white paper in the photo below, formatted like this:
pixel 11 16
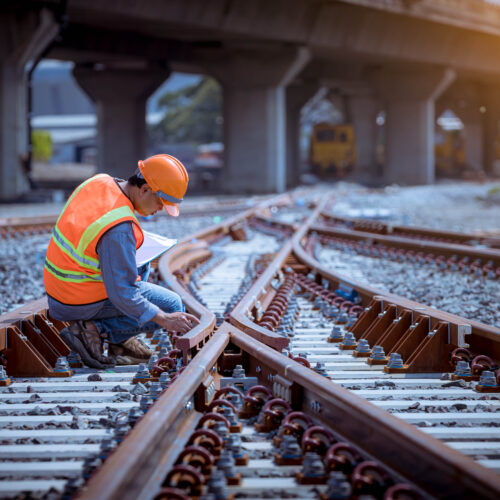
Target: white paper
pixel 153 246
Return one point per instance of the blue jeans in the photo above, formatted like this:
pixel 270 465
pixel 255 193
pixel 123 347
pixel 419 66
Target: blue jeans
pixel 119 327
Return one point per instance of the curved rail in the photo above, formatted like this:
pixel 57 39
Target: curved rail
pixel 481 337
pixel 191 249
pixel 400 241
pixel 422 233
pixel 137 468
pixel 258 296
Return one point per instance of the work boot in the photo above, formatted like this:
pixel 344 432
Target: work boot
pixel 130 352
pixel 84 338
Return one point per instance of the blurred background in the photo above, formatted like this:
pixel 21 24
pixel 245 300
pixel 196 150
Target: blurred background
pixel 254 97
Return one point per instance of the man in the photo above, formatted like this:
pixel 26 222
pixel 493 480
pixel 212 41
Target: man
pixel 90 272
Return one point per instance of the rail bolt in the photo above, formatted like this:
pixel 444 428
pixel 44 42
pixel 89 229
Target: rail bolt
pixel 253 401
pixel 144 403
pixel 378 352
pixel 294 423
pixel 341 457
pixel 231 393
pixel 134 415
pixel 152 361
pixel 164 380
pixel 338 487
pixel 217 485
pixel 74 360
pixel 272 414
pixel 313 470
pixel 155 390
pixel 363 348
pixel 489 381
pixel 4 379
pixel 462 369
pixel 198 457
pixel 208 439
pixel 142 372
pixel 395 361
pixel 229 413
pixel 349 342
pixel 460 354
pixel 370 478
pixel 289 452
pixel 186 478
pixel 234 444
pixel 337 334
pixel 320 369
pixel 226 463
pixel 481 363
pixel 317 439
pixel 61 365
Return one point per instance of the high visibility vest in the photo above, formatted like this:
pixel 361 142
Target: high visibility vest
pixel 72 273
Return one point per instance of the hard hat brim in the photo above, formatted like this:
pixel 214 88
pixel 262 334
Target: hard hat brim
pixel 171 208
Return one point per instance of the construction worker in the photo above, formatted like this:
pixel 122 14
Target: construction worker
pixel 90 272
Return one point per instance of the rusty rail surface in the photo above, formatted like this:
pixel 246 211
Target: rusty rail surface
pixel 446 249
pixel 439 470
pixel 239 315
pixel 482 338
pixel 379 227
pixel 461 332
pixel 137 468
pixel 145 452
pixel 191 248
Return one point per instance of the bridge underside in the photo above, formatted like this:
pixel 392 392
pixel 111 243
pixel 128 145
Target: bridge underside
pixel 270 59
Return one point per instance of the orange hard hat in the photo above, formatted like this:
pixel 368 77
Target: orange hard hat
pixel 168 179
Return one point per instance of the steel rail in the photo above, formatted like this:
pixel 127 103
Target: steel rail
pixel 379 227
pixel 239 315
pixel 136 460
pixel 429 463
pixel 399 241
pixel 483 338
pixel 183 253
pixel 147 452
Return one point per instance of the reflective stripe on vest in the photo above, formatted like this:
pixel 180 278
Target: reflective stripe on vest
pixel 73 276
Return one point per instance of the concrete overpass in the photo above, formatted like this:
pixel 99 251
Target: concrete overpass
pixel 270 56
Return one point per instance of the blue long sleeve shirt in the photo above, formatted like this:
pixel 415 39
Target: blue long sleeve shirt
pixel 116 251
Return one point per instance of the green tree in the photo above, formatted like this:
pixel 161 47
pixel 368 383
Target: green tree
pixel 42 145
pixel 192 114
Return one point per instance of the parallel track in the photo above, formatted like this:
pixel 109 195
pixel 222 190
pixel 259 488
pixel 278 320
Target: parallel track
pixel 231 273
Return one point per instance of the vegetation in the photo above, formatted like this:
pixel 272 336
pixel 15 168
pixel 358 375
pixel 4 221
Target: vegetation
pixel 193 114
pixel 42 145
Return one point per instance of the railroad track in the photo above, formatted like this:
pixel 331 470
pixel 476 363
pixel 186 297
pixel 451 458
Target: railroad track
pixel 257 289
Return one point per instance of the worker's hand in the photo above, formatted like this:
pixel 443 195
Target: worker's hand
pixel 177 322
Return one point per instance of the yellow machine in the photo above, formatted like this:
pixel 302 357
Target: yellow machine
pixel 332 149
pixel 449 152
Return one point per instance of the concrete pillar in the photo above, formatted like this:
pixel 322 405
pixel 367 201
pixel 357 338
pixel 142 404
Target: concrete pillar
pixel 363 111
pixel 296 97
pixel 490 97
pixel 120 96
pixel 22 40
pixel 409 101
pixel 255 117
pixel 473 133
pixel 464 99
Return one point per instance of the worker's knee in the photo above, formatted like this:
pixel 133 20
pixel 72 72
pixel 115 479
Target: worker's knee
pixel 171 302
pixel 176 302
pixel 167 300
